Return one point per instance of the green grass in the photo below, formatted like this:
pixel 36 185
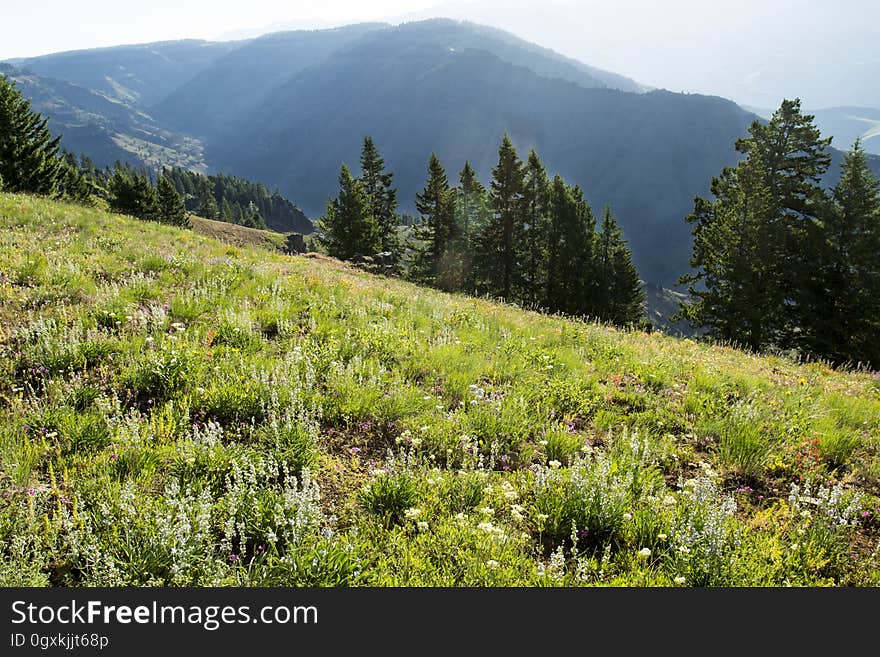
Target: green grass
pixel 179 411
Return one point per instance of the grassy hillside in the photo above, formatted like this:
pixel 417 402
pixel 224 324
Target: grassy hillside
pixel 236 235
pixel 174 410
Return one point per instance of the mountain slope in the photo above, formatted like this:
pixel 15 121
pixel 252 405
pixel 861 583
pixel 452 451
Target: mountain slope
pixel 140 74
pixel 254 419
pixel 646 154
pixel 105 129
pixel 238 81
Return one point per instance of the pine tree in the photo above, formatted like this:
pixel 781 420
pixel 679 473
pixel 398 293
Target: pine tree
pixel 29 155
pixel 621 298
pixel 535 208
pixel 437 235
pixel 569 251
pixel 499 244
pixel 752 243
pixel 171 209
pixel 131 193
pixel 471 216
pixel 347 228
pixel 207 207
pixel 381 196
pixel 843 322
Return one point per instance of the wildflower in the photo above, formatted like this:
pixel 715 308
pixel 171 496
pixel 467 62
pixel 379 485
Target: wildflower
pixel 644 553
pixel 232 558
pixel 681 581
pixel 662 537
pixel 412 512
pixel 627 516
pixel 511 495
pixel 554 464
pixel 487 527
pixel 492 563
pixel 542 443
pixel 488 510
pixel 542 517
pixel 669 500
pixel 422 525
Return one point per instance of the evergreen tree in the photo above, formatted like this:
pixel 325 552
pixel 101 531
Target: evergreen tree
pixel 171 209
pixel 752 243
pixel 535 208
pixel 252 217
pixel 131 193
pixel 434 259
pixel 621 298
pixel 226 213
pixel 29 155
pixel 381 196
pixel 500 242
pixel 347 228
pixel 843 322
pixel 207 207
pixel 569 251
pixel 471 215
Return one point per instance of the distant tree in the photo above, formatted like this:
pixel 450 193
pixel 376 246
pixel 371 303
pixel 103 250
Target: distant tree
pixel 535 210
pixel 752 243
pixel 499 244
pixel 621 297
pixel 131 193
pixel 842 318
pixel 29 154
pixel 381 195
pixel 347 228
pixel 207 207
pixel 252 217
pixel 170 207
pixel 437 234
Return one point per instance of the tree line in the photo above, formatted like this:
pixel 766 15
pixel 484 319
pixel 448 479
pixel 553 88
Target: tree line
pixel 781 262
pixel 527 239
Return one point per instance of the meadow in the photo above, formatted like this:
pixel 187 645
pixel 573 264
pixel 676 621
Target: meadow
pixel 178 411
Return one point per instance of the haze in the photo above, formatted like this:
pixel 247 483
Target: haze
pixel 755 52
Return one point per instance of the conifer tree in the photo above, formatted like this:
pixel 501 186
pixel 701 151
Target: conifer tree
pixel 499 244
pixel 569 249
pixel 621 298
pixel 843 319
pixel 752 242
pixel 131 193
pixel 171 209
pixel 207 207
pixel 381 196
pixel 29 155
pixel 471 215
pixel 437 235
pixel 535 208
pixel 347 228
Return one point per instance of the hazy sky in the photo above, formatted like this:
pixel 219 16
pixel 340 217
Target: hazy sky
pixel 753 51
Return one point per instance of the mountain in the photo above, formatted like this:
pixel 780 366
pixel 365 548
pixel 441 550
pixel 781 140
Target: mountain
pixel 105 129
pixel 237 82
pixel 240 81
pixel 415 89
pixel 137 74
